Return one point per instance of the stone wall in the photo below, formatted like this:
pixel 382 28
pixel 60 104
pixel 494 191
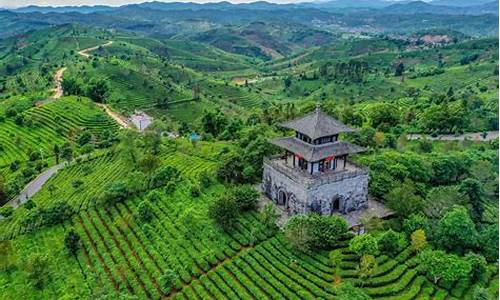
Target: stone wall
pixel 351 193
pixel 275 182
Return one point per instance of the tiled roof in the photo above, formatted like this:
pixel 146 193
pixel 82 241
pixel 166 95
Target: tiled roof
pixel 316 152
pixel 317 124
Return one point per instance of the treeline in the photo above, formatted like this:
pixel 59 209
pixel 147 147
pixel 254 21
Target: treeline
pixel 96 89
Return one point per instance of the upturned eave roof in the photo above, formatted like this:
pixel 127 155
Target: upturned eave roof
pixel 317 124
pixel 316 152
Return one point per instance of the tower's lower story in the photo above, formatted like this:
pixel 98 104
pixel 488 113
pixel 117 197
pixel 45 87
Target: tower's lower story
pixel 338 191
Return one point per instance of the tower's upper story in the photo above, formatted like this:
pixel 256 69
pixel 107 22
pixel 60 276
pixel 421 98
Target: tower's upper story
pixel 317 128
pixel 316 138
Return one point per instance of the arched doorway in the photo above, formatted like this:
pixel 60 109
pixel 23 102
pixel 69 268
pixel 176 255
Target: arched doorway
pixel 282 198
pixel 336 205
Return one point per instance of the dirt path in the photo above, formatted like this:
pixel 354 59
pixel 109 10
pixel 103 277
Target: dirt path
pixel 121 120
pixel 58 77
pixel 474 136
pixel 85 52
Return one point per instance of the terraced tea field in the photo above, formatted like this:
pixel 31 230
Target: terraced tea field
pixel 53 123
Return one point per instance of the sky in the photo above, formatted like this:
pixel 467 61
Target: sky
pixel 21 3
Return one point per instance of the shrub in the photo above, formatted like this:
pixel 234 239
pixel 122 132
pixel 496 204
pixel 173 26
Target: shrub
pixel 37 269
pixel 167 281
pixel 144 211
pixel 346 291
pixel 72 241
pixel 268 217
pixel 195 190
pixel 163 176
pixel 115 192
pixel 246 197
pixel 488 239
pixel 418 240
pixel 392 242
pixel 299 233
pixel 478 264
pixel 224 211
pixel 6 211
pixel 57 213
pixel 456 231
pixel 364 244
pixel 438 265
pixel 327 231
pixel 414 222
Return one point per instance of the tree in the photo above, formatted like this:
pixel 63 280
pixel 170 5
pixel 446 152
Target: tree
pixel 392 242
pixel 299 233
pixel 336 261
pixel 478 265
pixel 167 280
pixel 148 163
pixel 67 152
pixel 474 190
pixel 268 217
pixel 128 147
pixel 98 90
pixel 71 86
pixel 347 291
pixel 152 141
pixel 163 176
pixel 115 192
pixel 488 239
pixel 404 200
pixel 327 231
pixel 418 240
pixel 246 197
pixel 480 293
pixel 144 211
pixel 72 241
pixel 364 244
pixel 224 211
pixel 438 265
pixel 213 122
pixel 37 270
pixel 57 153
pixel 367 265
pixel 6 211
pixel 383 115
pixel 414 222
pixel 400 69
pixel 456 231
pixel 231 168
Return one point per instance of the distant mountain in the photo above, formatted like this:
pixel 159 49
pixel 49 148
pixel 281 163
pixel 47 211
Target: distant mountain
pixel 63 9
pixel 420 7
pixel 351 4
pixel 460 3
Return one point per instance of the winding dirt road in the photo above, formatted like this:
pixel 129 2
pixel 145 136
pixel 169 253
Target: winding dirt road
pixel 121 120
pixel 85 52
pixel 58 77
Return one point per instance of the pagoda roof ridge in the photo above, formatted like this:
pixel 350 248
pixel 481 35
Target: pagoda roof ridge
pixel 316 152
pixel 317 124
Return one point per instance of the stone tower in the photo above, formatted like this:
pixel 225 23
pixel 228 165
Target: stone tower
pixel 314 174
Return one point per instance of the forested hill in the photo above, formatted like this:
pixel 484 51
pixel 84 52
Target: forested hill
pixel 162 18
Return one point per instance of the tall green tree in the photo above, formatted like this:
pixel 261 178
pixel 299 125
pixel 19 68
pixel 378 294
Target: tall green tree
pixel 456 231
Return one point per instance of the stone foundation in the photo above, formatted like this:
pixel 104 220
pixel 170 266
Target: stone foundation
pixel 341 194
